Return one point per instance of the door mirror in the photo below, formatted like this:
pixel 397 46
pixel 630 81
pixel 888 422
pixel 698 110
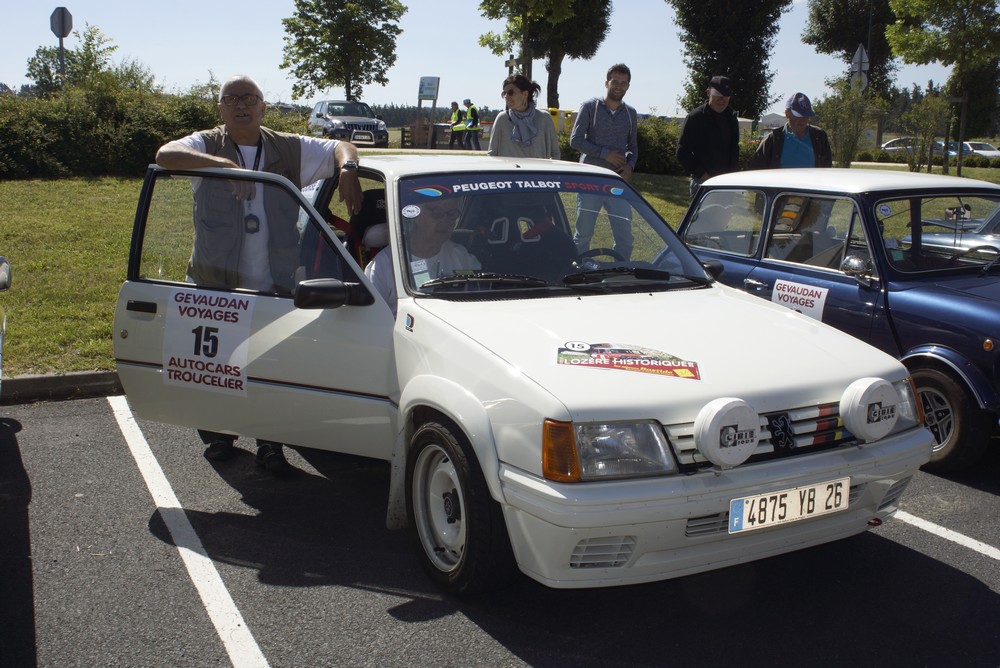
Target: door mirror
pixel 858 269
pixel 318 293
pixel 4 273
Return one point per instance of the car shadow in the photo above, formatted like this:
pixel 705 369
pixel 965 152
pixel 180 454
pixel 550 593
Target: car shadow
pixel 865 600
pixel 984 475
pixel 17 603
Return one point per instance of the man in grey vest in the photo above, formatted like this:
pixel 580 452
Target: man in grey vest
pixel 247 241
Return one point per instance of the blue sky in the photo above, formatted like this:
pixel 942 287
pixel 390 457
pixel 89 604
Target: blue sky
pixel 183 42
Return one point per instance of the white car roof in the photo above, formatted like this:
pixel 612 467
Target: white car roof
pixel 843 180
pixel 417 164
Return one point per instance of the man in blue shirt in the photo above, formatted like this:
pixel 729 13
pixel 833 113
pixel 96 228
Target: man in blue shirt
pixel 797 144
pixel 605 133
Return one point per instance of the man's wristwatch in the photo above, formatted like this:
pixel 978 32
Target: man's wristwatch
pixel 349 164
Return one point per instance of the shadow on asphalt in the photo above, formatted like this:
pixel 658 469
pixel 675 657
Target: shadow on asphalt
pixel 862 601
pixel 17 601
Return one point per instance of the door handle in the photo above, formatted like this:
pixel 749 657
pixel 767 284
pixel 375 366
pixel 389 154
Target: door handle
pixel 141 307
pixel 753 285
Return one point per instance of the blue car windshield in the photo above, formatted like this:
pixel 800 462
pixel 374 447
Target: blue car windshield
pixel 941 232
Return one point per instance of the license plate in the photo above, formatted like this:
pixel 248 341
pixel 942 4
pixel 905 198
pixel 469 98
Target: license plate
pixel 363 136
pixel 788 505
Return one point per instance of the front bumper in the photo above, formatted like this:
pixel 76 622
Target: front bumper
pixel 625 532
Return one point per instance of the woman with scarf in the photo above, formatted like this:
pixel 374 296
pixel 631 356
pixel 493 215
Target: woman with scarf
pixel 523 130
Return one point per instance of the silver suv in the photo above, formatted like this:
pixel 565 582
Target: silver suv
pixel 354 121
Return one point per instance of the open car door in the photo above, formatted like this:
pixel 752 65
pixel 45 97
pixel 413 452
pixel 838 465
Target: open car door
pixel 306 360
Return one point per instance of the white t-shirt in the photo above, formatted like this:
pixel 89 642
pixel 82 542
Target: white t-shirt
pixel 450 258
pixel 317 163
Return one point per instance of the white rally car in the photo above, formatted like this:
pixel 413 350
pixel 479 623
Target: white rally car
pixel 588 415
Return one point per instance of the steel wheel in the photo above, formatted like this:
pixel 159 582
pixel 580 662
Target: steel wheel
pixel 458 527
pixel 439 508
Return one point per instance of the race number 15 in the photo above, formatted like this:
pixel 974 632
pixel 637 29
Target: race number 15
pixel 206 341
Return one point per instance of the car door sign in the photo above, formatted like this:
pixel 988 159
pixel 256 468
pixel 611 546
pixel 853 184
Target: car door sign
pixel 206 339
pixel 805 299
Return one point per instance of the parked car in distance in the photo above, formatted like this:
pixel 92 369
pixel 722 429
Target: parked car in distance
pixel 900 144
pixel 4 284
pixel 351 120
pixel 911 144
pixel 979 148
pixel 903 261
pixel 590 416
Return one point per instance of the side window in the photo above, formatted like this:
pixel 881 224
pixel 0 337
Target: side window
pixel 205 233
pixel 727 220
pixel 812 230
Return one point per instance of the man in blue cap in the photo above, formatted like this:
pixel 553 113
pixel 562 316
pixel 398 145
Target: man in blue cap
pixel 797 144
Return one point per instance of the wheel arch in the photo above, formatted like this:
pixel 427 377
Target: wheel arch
pixel 421 401
pixel 950 361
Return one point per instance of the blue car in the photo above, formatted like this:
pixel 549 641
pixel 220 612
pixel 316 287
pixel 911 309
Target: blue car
pixel 864 251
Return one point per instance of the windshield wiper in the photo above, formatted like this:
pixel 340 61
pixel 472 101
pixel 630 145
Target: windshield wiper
pixel 598 275
pixel 516 280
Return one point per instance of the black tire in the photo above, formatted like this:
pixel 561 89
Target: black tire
pixel 459 529
pixel 961 429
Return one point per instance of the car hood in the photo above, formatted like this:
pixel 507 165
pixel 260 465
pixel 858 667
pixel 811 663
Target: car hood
pixel 965 289
pixel 672 350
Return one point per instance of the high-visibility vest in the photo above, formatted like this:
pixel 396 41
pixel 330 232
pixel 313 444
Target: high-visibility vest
pixel 472 117
pixel 457 123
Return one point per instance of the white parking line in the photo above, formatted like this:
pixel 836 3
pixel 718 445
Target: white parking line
pixel 240 645
pixel 948 534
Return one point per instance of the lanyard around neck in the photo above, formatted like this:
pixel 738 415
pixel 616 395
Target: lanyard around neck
pixel 256 160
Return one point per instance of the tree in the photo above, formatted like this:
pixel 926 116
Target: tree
pixel 87 66
pixel 981 84
pixel 845 115
pixel 837 27
pixel 731 38
pixel 925 120
pixel 578 37
pixel 962 33
pixel 549 29
pixel 330 44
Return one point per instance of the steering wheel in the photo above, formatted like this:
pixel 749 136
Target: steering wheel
pixel 596 252
pixel 969 251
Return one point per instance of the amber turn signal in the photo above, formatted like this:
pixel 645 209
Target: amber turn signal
pixel 559 460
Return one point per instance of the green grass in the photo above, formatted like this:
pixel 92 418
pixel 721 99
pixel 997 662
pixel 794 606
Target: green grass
pixel 67 242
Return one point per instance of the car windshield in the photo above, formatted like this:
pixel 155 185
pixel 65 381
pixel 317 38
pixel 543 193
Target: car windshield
pixel 465 235
pixel 350 109
pixel 944 232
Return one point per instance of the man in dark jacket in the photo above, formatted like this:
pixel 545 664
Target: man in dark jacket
pixel 797 144
pixel 710 141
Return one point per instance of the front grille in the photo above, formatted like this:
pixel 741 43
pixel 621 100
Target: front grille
pixel 796 431
pixel 361 126
pixel 607 552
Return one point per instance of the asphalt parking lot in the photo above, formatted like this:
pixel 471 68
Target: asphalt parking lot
pixel 118 554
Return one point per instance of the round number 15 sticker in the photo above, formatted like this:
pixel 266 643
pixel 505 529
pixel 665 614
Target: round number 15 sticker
pixel 577 346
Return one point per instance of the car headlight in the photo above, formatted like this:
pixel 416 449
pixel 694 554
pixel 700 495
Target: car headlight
pixel 910 413
pixel 381 126
pixel 604 450
pixel 337 125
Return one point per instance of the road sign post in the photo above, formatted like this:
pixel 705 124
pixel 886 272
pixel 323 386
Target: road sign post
pixel 61 22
